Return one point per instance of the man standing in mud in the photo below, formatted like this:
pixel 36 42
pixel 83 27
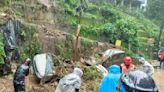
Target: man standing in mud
pixel 19 76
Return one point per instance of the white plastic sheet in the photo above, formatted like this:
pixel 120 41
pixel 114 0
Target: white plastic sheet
pixel 70 82
pixel 139 80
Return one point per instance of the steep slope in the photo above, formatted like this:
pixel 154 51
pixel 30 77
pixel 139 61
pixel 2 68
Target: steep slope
pixel 105 22
pixel 52 29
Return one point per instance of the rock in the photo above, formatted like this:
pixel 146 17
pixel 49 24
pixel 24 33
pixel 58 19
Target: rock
pixel 100 44
pixel 45 3
pixel 91 61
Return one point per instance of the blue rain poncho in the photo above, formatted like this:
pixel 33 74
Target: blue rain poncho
pixel 109 82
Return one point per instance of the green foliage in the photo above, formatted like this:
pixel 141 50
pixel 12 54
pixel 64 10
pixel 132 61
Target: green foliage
pixel 65 49
pixel 4 2
pixel 108 30
pixel 91 73
pixel 143 39
pixel 24 54
pixel 85 43
pixel 33 48
pixel 27 32
pixel 124 29
pixel 69 10
pixel 131 54
pixel 71 2
pixel 64 52
pixel 31 42
pixel 106 12
pixel 88 31
pixel 92 8
pixel 90 16
pixel 156 10
pixel 127 30
pixel 103 22
pixel 2 53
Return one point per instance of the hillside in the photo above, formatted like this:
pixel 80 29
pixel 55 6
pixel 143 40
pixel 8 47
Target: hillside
pixel 105 22
pixel 99 21
pixel 49 26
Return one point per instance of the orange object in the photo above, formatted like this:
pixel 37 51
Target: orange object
pixel 126 68
pixel 161 55
pixel 127 60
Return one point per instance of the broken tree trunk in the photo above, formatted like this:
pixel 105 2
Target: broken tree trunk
pixel 77 45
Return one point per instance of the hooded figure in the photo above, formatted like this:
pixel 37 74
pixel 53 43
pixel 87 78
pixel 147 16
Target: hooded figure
pixel 110 82
pixel 127 64
pixel 146 67
pixel 161 56
pixel 19 76
pixel 71 82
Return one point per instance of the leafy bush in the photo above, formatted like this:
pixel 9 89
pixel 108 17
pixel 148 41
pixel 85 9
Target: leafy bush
pixel 64 51
pixel 90 73
pixel 90 16
pixel 88 31
pixel 108 30
pixel 85 43
pixel 71 2
pixel 32 49
pixel 92 8
pixel 106 12
pixel 127 30
pixel 69 10
pixel 31 42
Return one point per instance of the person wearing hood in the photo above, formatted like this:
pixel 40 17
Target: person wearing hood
pixel 19 77
pixel 146 66
pixel 70 82
pixel 110 81
pixel 161 56
pixel 127 64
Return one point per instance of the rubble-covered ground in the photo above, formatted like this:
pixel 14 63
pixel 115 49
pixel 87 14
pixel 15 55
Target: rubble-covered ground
pixel 32 85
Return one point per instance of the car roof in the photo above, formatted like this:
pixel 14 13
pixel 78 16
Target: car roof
pixel 111 52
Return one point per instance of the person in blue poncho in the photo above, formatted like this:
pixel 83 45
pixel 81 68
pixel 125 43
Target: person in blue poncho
pixel 110 81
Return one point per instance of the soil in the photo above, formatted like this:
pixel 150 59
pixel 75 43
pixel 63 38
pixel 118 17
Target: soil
pixel 32 85
pixel 158 77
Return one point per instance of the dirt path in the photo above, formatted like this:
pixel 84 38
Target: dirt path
pixel 6 84
pixel 159 79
